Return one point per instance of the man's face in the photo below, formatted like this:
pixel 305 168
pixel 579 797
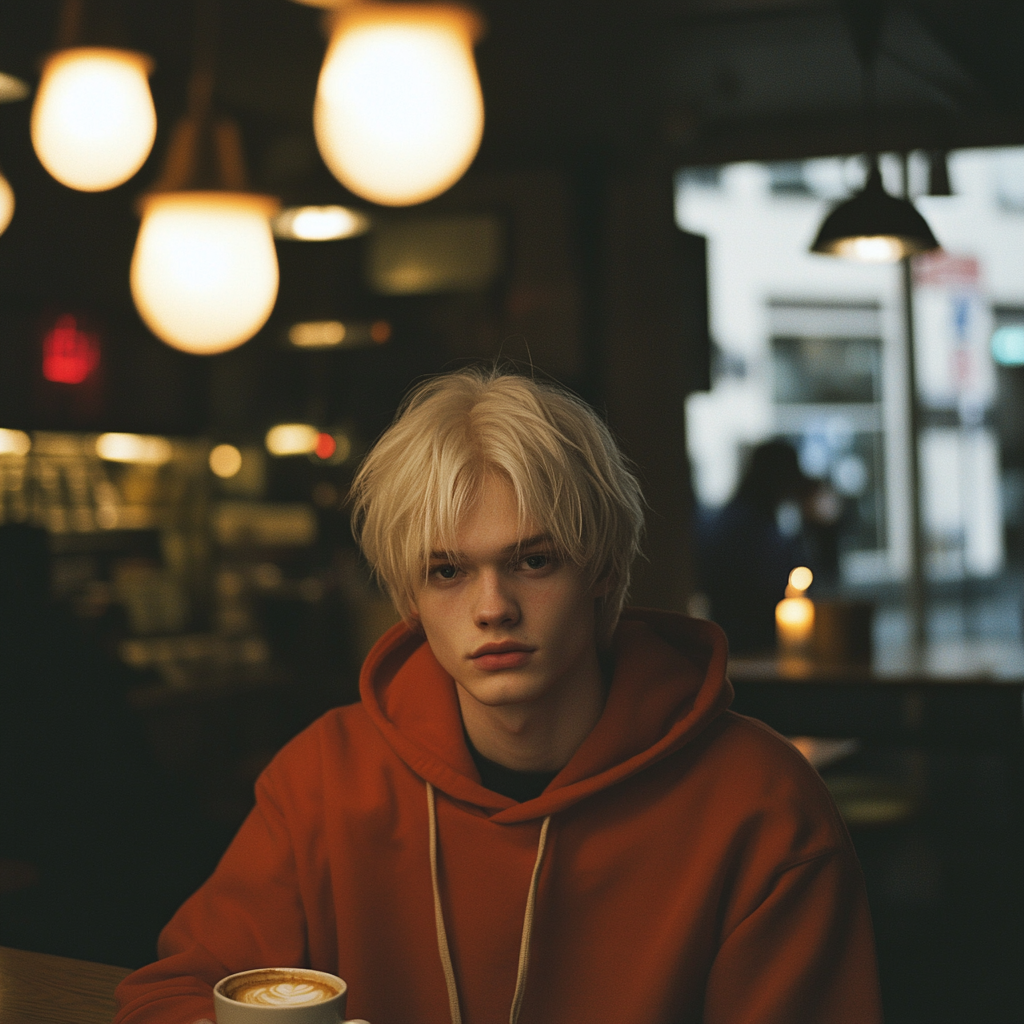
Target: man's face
pixel 503 615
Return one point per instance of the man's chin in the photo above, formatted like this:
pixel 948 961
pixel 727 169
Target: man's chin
pixel 502 689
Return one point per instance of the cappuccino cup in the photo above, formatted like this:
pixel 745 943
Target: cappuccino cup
pixel 281 995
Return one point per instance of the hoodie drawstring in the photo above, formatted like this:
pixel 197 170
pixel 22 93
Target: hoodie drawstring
pixel 442 937
pixel 524 945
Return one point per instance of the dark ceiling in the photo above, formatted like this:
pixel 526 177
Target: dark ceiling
pixel 567 83
pixel 703 80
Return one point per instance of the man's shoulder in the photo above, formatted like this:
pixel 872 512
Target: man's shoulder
pixel 760 737
pixel 757 777
pixel 766 759
pixel 338 739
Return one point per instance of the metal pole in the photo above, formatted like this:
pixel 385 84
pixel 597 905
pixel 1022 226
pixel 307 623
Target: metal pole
pixel 916 583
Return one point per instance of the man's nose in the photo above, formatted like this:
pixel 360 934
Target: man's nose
pixel 496 604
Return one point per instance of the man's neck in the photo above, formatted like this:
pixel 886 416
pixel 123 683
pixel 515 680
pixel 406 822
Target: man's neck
pixel 541 735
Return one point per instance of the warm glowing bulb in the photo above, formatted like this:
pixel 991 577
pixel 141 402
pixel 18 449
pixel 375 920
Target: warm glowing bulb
pixel 6 203
pixel 93 122
pixel 292 439
pixel 139 448
pixel 871 248
pixel 14 442
pixel 225 461
pixel 399 113
pixel 320 223
pixel 204 273
pixel 317 334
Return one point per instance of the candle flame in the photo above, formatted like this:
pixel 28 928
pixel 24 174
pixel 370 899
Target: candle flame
pixel 799 580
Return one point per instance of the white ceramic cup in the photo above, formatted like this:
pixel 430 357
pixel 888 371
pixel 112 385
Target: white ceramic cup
pixel 289 981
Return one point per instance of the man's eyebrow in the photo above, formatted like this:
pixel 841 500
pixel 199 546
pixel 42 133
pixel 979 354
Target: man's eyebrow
pixel 509 549
pixel 528 542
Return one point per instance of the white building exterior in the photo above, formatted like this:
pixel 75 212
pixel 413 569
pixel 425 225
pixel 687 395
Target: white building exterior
pixel 812 347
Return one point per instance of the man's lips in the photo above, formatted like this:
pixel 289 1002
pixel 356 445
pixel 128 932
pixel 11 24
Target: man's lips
pixel 501 648
pixel 494 656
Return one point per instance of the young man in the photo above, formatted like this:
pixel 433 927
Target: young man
pixel 542 810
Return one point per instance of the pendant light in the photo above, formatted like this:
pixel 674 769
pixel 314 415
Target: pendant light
pixel 399 113
pixel 6 203
pixel 204 273
pixel 93 121
pixel 873 226
pixel 12 89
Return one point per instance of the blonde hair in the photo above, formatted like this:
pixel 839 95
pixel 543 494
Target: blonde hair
pixel 454 430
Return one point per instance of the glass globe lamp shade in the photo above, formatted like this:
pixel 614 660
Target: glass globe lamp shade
pixel 399 113
pixel 93 121
pixel 874 227
pixel 204 272
pixel 6 203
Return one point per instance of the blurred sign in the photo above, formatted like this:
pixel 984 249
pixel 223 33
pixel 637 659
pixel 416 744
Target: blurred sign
pixel 941 269
pixel 954 364
pixel 70 353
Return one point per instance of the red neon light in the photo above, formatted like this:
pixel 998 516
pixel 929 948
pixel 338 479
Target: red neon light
pixel 70 354
pixel 325 446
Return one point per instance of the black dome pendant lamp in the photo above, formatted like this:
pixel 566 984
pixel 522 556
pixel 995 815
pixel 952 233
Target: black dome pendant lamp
pixel 873 226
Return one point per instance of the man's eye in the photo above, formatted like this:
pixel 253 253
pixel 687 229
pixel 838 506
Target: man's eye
pixel 536 561
pixel 445 572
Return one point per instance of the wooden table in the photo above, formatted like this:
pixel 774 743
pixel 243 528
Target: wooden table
pixel 36 988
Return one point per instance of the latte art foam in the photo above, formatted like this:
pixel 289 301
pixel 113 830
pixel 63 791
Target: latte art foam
pixel 283 993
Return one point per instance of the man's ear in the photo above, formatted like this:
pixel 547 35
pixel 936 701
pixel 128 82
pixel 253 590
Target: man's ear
pixel 603 587
pixel 412 617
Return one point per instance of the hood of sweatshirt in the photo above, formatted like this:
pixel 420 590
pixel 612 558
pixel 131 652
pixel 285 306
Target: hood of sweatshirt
pixel 668 683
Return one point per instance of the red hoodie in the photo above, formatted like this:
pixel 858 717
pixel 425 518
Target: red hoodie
pixel 694 869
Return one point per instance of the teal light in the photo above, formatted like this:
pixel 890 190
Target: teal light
pixel 1008 345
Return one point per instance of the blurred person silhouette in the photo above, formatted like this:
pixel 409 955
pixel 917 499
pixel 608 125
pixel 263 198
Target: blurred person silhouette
pixel 748 548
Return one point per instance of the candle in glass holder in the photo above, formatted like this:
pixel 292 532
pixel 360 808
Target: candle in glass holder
pixel 794 614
